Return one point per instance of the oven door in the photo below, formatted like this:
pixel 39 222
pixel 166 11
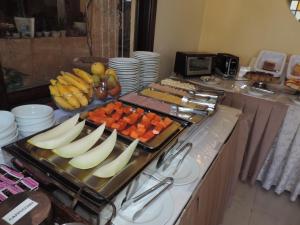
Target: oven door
pixel 199 65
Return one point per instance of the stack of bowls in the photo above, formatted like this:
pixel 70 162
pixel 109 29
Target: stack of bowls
pixel 149 66
pixel 128 73
pixel 33 118
pixel 8 128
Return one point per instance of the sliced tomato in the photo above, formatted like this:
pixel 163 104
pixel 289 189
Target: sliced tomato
pixel 127 109
pixel 158 128
pixel 134 134
pixel 150 115
pixel 141 131
pixel 109 108
pixel 167 121
pixel 116 116
pixel 109 121
pixel 140 111
pixel 99 111
pixel 122 124
pixel 115 125
pixel 118 105
pixel 147 136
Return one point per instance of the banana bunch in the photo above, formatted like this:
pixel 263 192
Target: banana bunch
pixel 71 91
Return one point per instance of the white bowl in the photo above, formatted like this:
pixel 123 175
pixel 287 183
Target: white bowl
pixel 36 127
pixel 9 140
pixel 7 120
pixel 28 122
pixel 32 111
pixel 8 132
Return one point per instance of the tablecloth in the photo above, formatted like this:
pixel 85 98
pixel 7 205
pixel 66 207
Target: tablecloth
pixel 266 118
pixel 282 167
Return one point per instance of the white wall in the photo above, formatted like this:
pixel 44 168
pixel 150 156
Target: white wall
pixel 178 28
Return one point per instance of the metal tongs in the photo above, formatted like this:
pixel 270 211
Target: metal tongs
pixel 180 109
pixel 210 105
pixel 206 93
pixel 167 182
pixel 188 147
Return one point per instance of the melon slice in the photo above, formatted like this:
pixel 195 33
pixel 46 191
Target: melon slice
pixel 115 166
pixel 56 131
pixel 61 140
pixel 80 146
pixel 96 155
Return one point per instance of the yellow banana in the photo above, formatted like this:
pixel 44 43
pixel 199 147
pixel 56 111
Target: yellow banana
pixel 90 93
pixel 53 90
pixel 53 81
pixel 76 81
pixel 62 80
pixel 83 75
pixel 63 103
pixel 79 95
pixel 64 91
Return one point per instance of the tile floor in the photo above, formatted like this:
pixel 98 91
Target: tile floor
pixel 252 205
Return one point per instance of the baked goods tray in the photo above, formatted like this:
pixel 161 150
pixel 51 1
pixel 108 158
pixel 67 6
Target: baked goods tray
pixel 59 169
pixel 154 143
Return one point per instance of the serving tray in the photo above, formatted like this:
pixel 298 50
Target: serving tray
pixel 154 143
pixel 59 168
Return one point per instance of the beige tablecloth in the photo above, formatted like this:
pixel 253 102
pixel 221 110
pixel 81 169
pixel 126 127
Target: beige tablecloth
pixel 265 118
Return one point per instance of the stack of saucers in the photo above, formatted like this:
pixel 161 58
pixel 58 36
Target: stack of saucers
pixel 33 118
pixel 128 73
pixel 149 66
pixel 8 128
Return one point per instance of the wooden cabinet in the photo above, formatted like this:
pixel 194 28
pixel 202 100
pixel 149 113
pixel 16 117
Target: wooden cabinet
pixel 210 199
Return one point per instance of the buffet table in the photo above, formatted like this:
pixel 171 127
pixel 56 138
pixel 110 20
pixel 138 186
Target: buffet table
pixel 273 150
pixel 215 148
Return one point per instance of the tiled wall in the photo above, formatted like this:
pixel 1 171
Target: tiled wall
pixel 42 58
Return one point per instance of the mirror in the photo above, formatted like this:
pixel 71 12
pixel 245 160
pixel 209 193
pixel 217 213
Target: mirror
pixel 294 7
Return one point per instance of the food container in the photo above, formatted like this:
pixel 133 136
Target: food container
pixel 276 57
pixel 294 59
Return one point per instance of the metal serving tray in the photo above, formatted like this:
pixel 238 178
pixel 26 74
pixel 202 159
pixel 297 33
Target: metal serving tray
pixel 59 168
pixel 156 141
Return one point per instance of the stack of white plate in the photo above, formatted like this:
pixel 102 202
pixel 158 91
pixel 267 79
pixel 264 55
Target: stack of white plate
pixel 8 128
pixel 128 73
pixel 33 118
pixel 149 66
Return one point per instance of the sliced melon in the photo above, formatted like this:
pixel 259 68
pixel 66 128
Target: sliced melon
pixel 56 131
pixel 80 146
pixel 115 166
pixel 61 140
pixel 96 155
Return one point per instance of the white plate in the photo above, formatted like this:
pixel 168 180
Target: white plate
pixel 37 127
pixel 32 111
pixel 30 122
pixel 9 140
pixel 7 120
pixel 187 173
pixel 8 133
pixel 159 212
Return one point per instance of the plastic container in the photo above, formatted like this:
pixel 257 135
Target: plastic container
pixel 276 57
pixel 294 59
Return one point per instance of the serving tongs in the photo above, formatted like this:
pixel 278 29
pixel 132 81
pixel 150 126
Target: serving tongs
pixel 167 182
pixel 183 110
pixel 210 106
pixel 188 146
pixel 206 94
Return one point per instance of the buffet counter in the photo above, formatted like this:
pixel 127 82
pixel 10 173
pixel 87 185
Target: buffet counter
pixel 205 197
